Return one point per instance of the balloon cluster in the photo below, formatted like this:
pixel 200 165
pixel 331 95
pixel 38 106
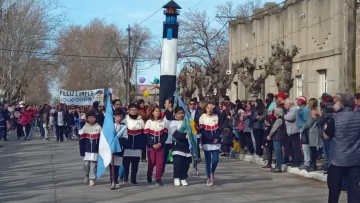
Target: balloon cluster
pixel 143 89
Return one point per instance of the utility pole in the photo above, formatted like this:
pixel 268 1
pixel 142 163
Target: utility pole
pixel 127 86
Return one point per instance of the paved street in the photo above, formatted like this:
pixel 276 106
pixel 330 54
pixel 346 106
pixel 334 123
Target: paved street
pixel 38 171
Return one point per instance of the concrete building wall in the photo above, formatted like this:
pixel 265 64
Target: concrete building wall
pixel 322 31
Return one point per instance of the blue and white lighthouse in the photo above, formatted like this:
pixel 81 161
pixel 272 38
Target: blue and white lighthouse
pixel 169 52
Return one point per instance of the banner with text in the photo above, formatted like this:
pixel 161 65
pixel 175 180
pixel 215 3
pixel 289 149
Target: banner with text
pixel 83 97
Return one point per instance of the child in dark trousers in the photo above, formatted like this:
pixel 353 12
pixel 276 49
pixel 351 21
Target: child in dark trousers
pixel 120 130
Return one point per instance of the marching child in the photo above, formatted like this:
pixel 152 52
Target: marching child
pixel 209 129
pixel 89 147
pixel 133 142
pixel 156 133
pixel 181 152
pixel 120 130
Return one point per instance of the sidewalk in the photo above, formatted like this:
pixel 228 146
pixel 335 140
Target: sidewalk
pixel 316 175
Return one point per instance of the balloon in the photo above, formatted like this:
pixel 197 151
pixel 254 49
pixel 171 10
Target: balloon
pixel 146 93
pixel 142 88
pixel 141 79
pixel 156 81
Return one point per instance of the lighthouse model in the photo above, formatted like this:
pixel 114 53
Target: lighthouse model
pixel 169 52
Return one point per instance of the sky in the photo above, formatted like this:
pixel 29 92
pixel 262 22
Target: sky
pixel 125 12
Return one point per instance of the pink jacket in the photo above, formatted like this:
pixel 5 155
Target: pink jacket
pixel 27 117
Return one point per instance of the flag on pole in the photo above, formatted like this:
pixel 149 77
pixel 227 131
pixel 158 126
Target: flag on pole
pixel 187 125
pixel 109 142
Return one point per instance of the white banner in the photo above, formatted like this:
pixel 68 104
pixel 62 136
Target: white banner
pixel 84 97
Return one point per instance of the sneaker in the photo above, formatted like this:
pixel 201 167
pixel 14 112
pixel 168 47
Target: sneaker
pixel 92 183
pixel 313 168
pixel 304 167
pixel 209 182
pixel 276 170
pixel 65 139
pixel 134 183
pixel 266 167
pixel 117 185
pixel 112 187
pixel 159 183
pixel 177 182
pixel 86 180
pixel 149 179
pixel 184 183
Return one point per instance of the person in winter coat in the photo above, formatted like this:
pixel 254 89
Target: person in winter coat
pixel 343 131
pixel 89 147
pixel 19 127
pixel 156 134
pixel 99 114
pixel 195 115
pixel 313 129
pixel 210 139
pixel 248 124
pixel 277 134
pixel 60 123
pixel 120 130
pixel 258 116
pixel 293 132
pixel 26 120
pixel 143 112
pixel 180 149
pixel 133 143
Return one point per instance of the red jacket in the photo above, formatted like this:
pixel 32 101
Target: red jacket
pixel 27 117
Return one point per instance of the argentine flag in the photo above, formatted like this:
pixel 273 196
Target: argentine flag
pixel 109 142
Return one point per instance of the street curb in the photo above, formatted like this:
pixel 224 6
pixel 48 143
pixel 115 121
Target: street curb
pixel 311 175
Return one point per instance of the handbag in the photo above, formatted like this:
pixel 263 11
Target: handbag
pixel 305 136
pixel 240 126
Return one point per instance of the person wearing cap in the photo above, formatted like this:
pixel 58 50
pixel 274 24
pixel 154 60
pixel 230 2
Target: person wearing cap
pixel 343 131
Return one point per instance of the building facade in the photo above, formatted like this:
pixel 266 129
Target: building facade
pixel 324 32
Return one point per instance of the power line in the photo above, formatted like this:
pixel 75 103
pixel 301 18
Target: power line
pixel 73 55
pixel 150 16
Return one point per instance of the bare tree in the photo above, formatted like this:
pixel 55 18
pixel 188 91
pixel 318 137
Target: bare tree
pixel 25 28
pixel 279 64
pixel 100 67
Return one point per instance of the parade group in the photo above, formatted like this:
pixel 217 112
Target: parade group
pixel 295 132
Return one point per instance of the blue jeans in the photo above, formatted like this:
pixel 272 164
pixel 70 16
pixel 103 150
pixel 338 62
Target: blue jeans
pixel 121 171
pixel 211 161
pixel 237 133
pixel 233 153
pixel 307 154
pixel 326 148
pixel 278 155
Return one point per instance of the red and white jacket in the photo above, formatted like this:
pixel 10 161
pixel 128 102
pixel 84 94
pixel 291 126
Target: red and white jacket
pixel 89 139
pixel 156 132
pixel 210 131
